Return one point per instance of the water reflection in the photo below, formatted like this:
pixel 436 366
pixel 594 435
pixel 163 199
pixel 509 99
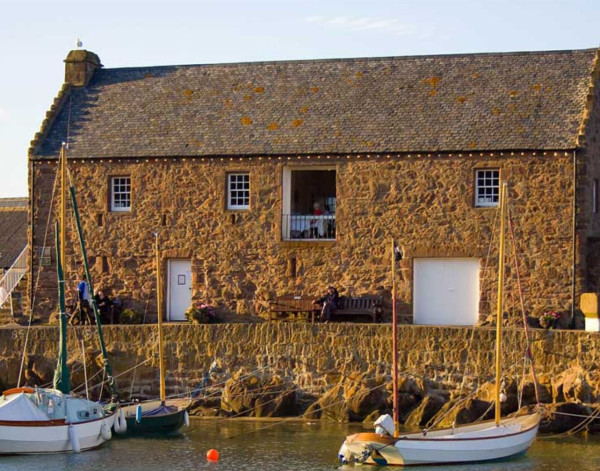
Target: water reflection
pixel 260 445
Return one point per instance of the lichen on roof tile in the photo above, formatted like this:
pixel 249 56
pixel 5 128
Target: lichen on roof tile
pixel 404 104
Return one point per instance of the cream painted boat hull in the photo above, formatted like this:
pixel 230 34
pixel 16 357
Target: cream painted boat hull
pixel 465 444
pixel 46 437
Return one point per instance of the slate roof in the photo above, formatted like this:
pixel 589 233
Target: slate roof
pixel 527 100
pixel 13 229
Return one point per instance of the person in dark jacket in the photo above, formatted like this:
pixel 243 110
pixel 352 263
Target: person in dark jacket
pixel 329 303
pixel 104 306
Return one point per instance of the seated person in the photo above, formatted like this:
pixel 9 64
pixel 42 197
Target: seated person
pixel 329 303
pixel 104 307
pixel 316 224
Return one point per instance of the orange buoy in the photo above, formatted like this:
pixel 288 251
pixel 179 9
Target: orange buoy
pixel 212 455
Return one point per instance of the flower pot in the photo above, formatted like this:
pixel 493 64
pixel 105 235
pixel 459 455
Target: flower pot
pixel 547 323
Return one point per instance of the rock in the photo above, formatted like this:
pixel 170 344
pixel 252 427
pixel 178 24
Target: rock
pixel 372 417
pixel 258 396
pixel 313 412
pixel 559 423
pixel 238 394
pixel 572 386
pixel 411 385
pixel 425 411
pixel 363 399
pixel 333 405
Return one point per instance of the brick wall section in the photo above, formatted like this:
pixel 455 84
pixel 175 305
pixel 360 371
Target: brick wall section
pixel 239 260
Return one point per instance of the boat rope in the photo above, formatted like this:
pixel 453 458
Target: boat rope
pixel 205 380
pixel 85 378
pixel 525 324
pixel 595 415
pixel 37 280
pixel 486 265
pixel 102 384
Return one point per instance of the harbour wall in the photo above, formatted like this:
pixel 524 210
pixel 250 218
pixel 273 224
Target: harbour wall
pixel 323 365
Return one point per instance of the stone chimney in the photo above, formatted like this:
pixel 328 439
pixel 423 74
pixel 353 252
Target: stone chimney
pixel 79 67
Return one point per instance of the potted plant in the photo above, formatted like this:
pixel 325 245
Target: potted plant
pixel 200 314
pixel 549 319
pixel 129 316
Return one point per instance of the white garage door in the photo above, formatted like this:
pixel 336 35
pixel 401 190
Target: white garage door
pixel 446 291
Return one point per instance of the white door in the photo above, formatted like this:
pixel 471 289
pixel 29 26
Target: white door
pixel 446 291
pixel 180 289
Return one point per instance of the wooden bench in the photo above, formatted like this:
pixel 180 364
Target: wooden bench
pixel 360 307
pixel 293 306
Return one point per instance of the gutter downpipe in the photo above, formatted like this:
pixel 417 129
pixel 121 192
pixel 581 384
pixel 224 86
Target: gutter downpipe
pixel 32 236
pixel 574 246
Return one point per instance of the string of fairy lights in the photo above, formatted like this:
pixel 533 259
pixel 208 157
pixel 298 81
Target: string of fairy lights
pixel 317 157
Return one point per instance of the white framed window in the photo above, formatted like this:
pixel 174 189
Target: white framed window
pixel 487 187
pixel 238 191
pixel 120 194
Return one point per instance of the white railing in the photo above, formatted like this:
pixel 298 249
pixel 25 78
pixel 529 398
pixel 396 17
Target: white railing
pixel 308 226
pixel 12 276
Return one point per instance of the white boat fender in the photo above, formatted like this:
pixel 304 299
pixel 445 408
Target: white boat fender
pixel 74 439
pixel 116 427
pixel 117 423
pixel 138 413
pixel 186 419
pixel 105 432
pixel 122 420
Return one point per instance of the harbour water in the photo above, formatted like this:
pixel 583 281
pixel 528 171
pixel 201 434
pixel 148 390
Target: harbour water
pixel 269 446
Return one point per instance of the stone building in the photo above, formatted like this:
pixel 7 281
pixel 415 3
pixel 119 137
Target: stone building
pixel 284 177
pixel 13 255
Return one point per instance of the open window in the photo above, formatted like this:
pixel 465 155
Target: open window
pixel 309 203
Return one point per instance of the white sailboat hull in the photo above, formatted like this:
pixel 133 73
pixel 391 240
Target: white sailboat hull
pixel 50 437
pixel 465 444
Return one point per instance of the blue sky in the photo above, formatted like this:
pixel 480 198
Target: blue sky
pixel 35 37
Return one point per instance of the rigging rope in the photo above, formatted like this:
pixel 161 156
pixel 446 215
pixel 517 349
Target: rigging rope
pixel 525 325
pixel 36 282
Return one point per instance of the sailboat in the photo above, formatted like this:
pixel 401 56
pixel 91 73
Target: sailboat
pixel 163 416
pixel 51 420
pixel 484 441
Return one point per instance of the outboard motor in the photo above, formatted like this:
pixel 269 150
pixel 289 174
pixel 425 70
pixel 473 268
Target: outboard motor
pixel 384 425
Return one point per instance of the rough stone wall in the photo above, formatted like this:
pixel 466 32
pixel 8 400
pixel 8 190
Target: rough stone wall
pixel 588 222
pixel 239 260
pixel 312 358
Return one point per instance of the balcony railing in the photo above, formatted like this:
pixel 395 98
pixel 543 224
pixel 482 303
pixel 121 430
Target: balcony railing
pixel 308 227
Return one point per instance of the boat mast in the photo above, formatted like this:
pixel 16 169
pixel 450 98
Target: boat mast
pixel 62 376
pixel 503 196
pixel 161 352
pixel 63 201
pixel 107 368
pixel 395 345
